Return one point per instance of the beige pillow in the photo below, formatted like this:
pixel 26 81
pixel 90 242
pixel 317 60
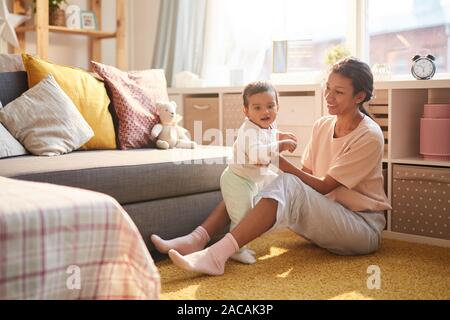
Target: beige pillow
pixel 9 147
pixel 46 121
pixel 11 62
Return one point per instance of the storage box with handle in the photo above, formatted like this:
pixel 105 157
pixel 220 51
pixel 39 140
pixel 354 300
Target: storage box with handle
pixel 421 201
pixel 201 119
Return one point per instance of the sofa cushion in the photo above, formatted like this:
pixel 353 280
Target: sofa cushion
pixel 134 95
pixel 46 121
pixel 129 176
pixel 87 93
pixel 12 85
pixel 9 146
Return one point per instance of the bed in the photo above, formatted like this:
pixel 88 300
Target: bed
pixel 65 243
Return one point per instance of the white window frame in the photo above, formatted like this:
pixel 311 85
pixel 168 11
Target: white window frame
pixel 357 32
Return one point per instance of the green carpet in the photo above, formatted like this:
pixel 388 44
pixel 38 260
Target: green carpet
pixel 291 268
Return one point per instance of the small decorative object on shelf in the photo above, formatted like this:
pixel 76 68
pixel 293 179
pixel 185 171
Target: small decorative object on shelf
pixel 88 20
pixel 57 16
pixel 381 72
pixel 73 17
pixel 423 67
pixel 8 23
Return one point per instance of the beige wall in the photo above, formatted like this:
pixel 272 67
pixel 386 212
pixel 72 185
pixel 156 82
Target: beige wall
pixel 141 32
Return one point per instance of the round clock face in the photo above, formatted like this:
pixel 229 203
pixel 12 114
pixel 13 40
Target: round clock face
pixel 423 68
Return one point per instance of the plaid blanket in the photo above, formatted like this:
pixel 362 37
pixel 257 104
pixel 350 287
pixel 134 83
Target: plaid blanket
pixel 66 243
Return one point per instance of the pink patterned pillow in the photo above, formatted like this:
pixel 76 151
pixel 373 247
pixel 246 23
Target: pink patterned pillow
pixel 134 96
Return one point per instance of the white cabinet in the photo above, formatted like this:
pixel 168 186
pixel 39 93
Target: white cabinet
pixel 300 107
pixel 297 110
pixel 404 101
pixel 232 116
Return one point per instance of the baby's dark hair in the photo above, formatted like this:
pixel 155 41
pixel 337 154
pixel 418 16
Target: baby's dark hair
pixel 258 87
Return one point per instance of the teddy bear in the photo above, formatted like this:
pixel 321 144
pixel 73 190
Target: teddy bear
pixel 167 133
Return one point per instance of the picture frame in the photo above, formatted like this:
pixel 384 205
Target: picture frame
pixel 73 17
pixel 280 56
pixel 88 20
pixel 291 55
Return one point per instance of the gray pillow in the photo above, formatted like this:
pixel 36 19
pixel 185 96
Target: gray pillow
pixel 12 86
pixel 9 147
pixel 46 121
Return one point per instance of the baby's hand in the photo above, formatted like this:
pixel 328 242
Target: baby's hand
pixel 288 145
pixel 286 136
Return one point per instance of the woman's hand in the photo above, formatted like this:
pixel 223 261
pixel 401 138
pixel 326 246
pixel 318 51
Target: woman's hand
pixel 322 185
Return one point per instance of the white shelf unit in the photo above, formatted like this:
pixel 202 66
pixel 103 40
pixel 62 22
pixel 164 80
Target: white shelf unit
pixel 405 109
pixel 300 107
pixel 397 107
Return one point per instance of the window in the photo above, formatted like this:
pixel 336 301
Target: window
pixel 400 29
pixel 240 36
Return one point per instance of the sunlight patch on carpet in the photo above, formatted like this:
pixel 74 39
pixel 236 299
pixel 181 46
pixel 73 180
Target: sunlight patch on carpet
pixel 354 295
pixel 274 252
pixel 285 274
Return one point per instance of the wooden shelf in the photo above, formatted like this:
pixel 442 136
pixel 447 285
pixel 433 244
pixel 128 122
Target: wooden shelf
pixel 43 30
pixel 91 33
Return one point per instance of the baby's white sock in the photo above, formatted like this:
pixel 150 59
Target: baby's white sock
pixel 244 255
pixel 187 244
pixel 210 260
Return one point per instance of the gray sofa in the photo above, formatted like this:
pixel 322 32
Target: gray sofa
pixel 167 192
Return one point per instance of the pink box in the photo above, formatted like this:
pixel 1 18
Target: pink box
pixel 436 111
pixel 435 132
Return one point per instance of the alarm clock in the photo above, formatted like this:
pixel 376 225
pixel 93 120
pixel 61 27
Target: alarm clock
pixel 73 17
pixel 423 67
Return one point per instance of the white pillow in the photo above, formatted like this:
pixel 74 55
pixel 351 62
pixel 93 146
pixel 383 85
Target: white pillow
pixel 9 147
pixel 46 121
pixel 11 62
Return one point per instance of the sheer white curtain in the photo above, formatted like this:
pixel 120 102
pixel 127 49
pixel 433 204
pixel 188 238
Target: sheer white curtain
pixel 239 36
pixel 180 37
pixel 217 38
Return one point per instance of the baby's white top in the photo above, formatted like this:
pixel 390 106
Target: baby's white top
pixel 253 151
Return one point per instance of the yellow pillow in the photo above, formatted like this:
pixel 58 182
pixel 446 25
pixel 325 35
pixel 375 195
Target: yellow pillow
pixel 87 93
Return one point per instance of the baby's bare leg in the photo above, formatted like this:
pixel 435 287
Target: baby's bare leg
pixel 259 220
pixel 217 220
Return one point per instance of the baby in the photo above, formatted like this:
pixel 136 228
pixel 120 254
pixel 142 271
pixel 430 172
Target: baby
pixel 258 144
